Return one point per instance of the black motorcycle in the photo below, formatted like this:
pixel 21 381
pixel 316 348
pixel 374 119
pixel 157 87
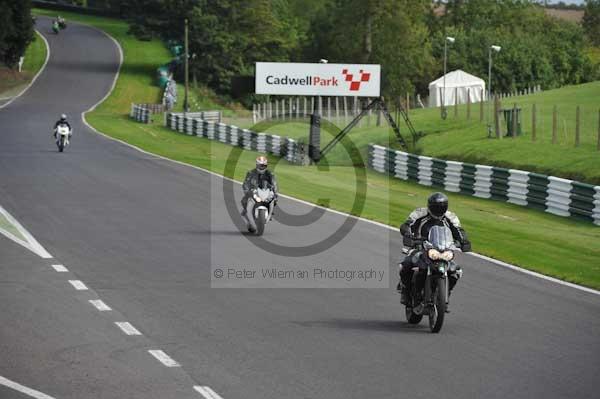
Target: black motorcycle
pixel 429 285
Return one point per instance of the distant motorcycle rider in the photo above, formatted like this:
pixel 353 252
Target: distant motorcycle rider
pixel 63 121
pixel 417 228
pixel 255 178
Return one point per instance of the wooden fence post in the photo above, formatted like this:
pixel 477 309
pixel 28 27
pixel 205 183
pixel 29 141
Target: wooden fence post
pixel 481 107
pixel 496 118
pixel 407 103
pixel 599 129
pixel 345 105
pixel 554 122
pixel 468 103
pixel 577 125
pixel 533 121
pixel 514 122
pixel 455 102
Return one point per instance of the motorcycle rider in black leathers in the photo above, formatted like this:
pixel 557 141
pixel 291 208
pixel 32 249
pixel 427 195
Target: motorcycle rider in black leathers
pixel 63 121
pixel 417 228
pixel 256 178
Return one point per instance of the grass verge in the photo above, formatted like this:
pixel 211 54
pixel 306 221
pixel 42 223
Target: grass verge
pixel 11 81
pixel 535 240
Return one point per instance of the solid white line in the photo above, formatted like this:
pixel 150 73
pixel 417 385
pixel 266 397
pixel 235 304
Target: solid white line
pixel 101 306
pixel 127 328
pixel 31 243
pixel 23 389
pixel 60 268
pixel 207 392
pixel 379 224
pixel 163 358
pixel 78 284
pixel 36 75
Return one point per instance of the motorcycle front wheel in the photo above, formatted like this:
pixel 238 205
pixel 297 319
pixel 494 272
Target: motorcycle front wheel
pixel 438 309
pixel 61 144
pixel 261 221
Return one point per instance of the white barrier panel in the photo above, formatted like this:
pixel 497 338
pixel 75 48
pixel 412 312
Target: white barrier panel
pixel 559 196
pixel 483 181
pixel 517 187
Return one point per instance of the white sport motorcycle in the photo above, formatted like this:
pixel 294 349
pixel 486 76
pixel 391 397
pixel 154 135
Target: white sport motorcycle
pixel 262 209
pixel 63 134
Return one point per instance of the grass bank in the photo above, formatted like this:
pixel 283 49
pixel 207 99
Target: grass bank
pixel 545 243
pixel 460 139
pixel 12 81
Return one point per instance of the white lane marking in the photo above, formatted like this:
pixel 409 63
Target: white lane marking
pixel 60 268
pixel 101 306
pixel 23 389
pixel 78 285
pixel 36 75
pixel 163 358
pixel 373 222
pixel 31 242
pixel 207 392
pixel 127 328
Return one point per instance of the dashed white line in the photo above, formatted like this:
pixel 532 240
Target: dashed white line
pixel 207 392
pixel 127 328
pixel 78 285
pixel 163 358
pixel 101 306
pixel 23 389
pixel 60 268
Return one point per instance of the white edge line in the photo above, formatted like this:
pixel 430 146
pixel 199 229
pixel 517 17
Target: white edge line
pixel 127 328
pixel 163 358
pixel 33 245
pixel 207 392
pixel 23 389
pixel 78 285
pixel 36 75
pixel 100 305
pixel 60 268
pixel 492 260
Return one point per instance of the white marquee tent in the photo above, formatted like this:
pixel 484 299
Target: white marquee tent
pixel 459 84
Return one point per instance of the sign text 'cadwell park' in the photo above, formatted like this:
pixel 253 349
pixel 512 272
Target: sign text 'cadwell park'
pixel 303 79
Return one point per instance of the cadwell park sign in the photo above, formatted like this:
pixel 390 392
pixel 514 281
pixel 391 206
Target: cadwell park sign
pixel 304 79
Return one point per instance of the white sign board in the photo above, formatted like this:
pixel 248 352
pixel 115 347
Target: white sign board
pixel 303 79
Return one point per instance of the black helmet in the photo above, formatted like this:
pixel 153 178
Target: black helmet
pixel 437 205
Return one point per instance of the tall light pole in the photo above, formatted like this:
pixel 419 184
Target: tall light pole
pixel 496 49
pixel 314 136
pixel 447 40
pixel 186 106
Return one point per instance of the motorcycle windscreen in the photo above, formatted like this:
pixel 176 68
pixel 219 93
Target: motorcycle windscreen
pixel 441 238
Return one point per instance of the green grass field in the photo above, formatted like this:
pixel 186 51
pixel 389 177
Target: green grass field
pixel 12 82
pixel 535 240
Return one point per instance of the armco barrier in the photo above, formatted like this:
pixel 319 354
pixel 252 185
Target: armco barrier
pixel 192 124
pixel 140 113
pixel 548 193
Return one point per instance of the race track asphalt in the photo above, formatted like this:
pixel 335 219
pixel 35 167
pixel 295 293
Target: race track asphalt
pixel 146 236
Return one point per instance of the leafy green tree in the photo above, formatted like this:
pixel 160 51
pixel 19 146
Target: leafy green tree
pixel 392 33
pixel 16 32
pixel 591 21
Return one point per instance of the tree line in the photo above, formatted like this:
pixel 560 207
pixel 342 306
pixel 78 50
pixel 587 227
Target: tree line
pixel 405 36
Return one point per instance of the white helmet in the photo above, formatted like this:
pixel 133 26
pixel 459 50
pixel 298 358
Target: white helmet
pixel 261 164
